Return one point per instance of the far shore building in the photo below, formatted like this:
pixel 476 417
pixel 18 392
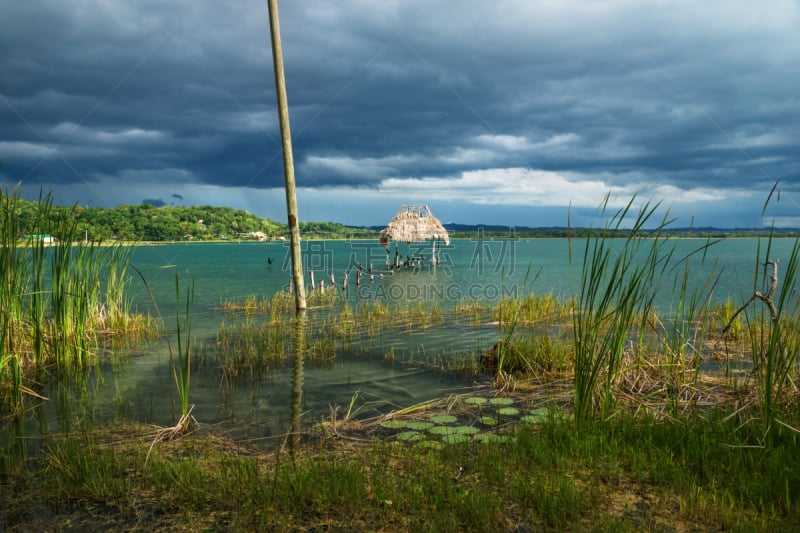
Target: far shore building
pixel 256 235
pixel 44 238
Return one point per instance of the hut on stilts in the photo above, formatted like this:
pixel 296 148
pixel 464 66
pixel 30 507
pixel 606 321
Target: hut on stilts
pixel 414 223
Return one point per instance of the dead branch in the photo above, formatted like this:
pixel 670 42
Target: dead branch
pixel 766 298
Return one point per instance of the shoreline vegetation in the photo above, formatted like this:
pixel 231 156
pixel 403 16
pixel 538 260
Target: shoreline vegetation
pixel 146 224
pixel 598 412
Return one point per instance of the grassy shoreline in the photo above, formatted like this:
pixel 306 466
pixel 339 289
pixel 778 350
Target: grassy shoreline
pixel 627 474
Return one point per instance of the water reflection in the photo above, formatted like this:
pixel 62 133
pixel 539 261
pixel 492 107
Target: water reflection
pixel 300 346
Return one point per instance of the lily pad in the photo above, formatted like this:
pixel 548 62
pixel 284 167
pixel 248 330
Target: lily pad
pixel 432 444
pixel 442 430
pixel 419 425
pixel 508 411
pixel 393 424
pixel 455 438
pixel 488 421
pixel 466 430
pixel 410 436
pixel 501 401
pixel 537 416
pixel 443 419
pixel 476 400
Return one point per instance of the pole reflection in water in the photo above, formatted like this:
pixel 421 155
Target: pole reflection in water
pixel 300 345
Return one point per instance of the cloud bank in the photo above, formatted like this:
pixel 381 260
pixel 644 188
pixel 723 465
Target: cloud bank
pixel 502 112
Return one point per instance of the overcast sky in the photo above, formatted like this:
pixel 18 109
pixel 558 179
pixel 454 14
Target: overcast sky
pixel 503 112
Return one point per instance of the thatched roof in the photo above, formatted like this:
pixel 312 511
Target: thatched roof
pixel 414 223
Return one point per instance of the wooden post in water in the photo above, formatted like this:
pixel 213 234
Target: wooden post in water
pixel 288 158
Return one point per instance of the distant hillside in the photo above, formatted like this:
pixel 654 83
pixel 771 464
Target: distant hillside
pixel 146 222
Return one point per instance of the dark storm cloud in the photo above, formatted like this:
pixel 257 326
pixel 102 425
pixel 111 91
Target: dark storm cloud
pixel 621 93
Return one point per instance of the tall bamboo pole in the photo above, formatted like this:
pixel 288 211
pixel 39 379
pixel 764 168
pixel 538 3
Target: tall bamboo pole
pixel 288 158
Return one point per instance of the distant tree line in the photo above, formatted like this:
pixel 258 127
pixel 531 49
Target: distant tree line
pixel 146 222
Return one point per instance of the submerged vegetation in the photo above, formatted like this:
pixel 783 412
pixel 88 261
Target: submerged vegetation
pixel 59 302
pixel 598 412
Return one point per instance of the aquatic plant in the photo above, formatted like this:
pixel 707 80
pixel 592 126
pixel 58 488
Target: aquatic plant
pixel 681 341
pixel 617 286
pixel 57 298
pixel 508 323
pixel 182 364
pixel 775 347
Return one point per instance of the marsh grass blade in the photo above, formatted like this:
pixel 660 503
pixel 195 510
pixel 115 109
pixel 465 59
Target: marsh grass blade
pixel 509 325
pixel 182 364
pixel 775 336
pixel 618 278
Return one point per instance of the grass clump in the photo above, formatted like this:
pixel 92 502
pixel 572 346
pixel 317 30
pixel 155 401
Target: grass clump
pixel 61 297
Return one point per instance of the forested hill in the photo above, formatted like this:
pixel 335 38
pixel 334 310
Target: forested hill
pixel 175 223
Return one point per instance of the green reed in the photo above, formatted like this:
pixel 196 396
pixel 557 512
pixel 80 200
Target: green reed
pixel 38 293
pixel 345 322
pixel 682 341
pixel 250 348
pixel 774 333
pixel 723 314
pixel 182 369
pixel 12 277
pixel 117 309
pixel 474 310
pixel 11 378
pixel 617 288
pixel 533 309
pixel 321 347
pixel 539 352
pixel 57 300
pixel 508 323
pixel 77 269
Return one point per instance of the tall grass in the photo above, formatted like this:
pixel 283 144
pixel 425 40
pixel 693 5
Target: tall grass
pixel 12 278
pixel 618 286
pixel 12 284
pixel 55 300
pixel 774 332
pixel 682 339
pixel 182 364
pixel 508 325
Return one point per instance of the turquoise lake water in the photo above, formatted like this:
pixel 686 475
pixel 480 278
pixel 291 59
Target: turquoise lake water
pixel 141 388
pixel 471 269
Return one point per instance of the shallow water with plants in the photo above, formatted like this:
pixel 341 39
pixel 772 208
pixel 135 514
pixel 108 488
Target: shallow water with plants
pixel 396 339
pixel 604 343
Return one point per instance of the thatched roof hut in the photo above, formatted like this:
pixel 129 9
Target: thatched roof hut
pixel 414 223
